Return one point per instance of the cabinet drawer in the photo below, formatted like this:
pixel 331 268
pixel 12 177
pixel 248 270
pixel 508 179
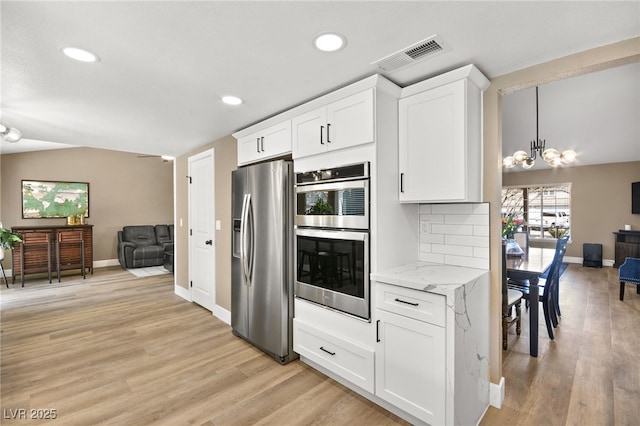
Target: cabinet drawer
pixel 346 359
pixel 420 305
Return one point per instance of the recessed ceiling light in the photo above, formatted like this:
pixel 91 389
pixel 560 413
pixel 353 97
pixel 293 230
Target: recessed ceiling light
pixel 330 42
pixel 79 54
pixel 231 100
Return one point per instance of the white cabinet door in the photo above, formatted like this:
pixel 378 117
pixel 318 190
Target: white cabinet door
pixel 340 124
pixel 277 139
pixel 410 366
pixel 309 133
pixel 249 148
pixel 350 121
pixel 433 153
pixel 270 142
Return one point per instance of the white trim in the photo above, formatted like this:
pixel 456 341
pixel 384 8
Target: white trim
pixel 182 292
pixel 222 314
pixel 105 263
pixel 496 394
pixel 568 259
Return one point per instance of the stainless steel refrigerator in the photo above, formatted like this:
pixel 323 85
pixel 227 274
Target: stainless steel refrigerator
pixel 262 257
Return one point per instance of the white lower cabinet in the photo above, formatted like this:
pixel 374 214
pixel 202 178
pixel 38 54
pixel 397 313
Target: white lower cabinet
pixel 341 356
pixel 410 362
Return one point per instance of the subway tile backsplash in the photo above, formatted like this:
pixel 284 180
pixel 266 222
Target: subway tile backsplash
pixel 455 234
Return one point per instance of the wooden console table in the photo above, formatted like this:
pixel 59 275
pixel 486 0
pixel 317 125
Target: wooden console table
pixel 627 245
pixel 36 256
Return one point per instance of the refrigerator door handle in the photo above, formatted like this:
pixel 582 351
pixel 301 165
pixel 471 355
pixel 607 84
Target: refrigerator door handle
pixel 251 247
pixel 243 239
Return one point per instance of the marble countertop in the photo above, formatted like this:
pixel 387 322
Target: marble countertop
pixel 431 277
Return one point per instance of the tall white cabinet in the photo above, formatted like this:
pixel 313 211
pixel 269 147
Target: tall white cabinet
pixel 440 140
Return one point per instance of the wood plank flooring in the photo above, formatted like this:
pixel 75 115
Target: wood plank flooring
pixel 590 373
pixel 119 350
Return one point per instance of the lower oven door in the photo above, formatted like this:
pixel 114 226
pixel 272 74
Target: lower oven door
pixel 332 269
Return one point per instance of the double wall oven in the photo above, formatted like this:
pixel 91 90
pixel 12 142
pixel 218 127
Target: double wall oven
pixel 332 238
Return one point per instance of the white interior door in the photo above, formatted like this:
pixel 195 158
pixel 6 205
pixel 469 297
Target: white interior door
pixel 202 255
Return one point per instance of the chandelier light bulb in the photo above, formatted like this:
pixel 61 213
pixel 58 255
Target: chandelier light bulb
pixel 528 163
pixel 508 162
pixel 520 156
pixel 555 162
pixel 11 134
pixel 550 155
pixel 568 156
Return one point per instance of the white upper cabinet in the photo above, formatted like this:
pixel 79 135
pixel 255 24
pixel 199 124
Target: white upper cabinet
pixel 271 142
pixel 341 124
pixel 440 140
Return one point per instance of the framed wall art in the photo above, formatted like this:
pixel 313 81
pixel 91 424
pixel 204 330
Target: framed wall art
pixel 49 199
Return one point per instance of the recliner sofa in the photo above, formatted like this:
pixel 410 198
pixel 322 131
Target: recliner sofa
pixel 144 245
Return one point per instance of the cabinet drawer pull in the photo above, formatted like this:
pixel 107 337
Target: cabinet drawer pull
pixel 328 140
pixel 321 130
pixel 378 331
pixel 327 351
pixel 262 144
pixel 407 303
pixel 258 145
pixel 401 182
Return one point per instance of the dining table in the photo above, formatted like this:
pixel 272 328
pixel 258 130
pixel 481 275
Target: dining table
pixel 529 266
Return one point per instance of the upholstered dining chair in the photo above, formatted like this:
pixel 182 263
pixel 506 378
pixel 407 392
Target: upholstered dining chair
pixel 547 292
pixel 511 299
pixel 629 272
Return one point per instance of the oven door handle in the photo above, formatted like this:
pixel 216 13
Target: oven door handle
pixel 334 235
pixel 332 186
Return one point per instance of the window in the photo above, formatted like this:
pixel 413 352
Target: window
pixel 544 209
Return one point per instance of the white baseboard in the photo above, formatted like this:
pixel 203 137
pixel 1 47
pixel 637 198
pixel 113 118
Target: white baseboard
pixel 182 292
pixel 222 314
pixel 105 263
pixel 496 394
pixel 568 259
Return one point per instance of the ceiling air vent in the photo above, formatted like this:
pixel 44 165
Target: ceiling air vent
pixel 413 54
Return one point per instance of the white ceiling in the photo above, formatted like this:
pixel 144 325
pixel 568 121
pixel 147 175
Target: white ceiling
pixel 597 115
pixel 165 65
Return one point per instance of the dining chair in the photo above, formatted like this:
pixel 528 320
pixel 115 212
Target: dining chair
pixel 629 272
pixel 546 291
pixel 560 245
pixel 510 298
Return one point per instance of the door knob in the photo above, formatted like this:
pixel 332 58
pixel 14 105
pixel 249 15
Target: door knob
pixel 209 242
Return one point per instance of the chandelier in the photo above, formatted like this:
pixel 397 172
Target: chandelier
pixel 550 155
pixel 10 134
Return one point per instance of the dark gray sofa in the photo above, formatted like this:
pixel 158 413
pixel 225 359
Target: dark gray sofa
pixel 144 245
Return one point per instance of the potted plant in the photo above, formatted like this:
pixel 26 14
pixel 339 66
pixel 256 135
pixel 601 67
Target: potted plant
pixel 8 240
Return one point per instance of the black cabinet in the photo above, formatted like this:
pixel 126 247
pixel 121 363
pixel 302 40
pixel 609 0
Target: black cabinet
pixel 627 245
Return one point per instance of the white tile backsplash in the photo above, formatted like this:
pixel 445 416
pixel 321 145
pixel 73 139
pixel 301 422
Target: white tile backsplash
pixel 455 234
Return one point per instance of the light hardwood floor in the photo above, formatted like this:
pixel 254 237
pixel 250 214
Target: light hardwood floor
pixel 590 373
pixel 116 349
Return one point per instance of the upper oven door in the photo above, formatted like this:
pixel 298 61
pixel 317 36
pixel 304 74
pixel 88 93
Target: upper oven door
pixel 343 204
